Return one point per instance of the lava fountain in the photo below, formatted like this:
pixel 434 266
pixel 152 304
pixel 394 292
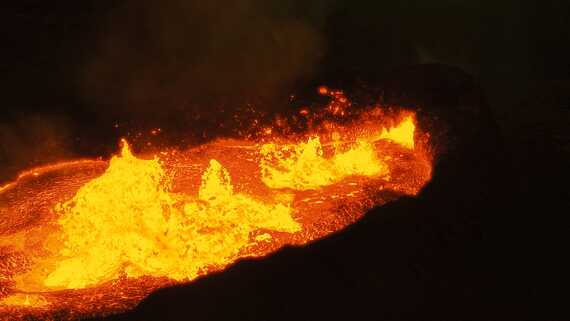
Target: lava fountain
pixel 92 237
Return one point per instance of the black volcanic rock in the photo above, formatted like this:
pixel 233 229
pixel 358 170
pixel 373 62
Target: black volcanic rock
pixel 449 254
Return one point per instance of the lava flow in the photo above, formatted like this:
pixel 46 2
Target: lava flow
pixel 90 237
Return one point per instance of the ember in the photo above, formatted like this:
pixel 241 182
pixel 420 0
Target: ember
pixel 77 236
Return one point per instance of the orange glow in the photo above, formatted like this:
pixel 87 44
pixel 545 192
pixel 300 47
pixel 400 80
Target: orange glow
pixel 78 236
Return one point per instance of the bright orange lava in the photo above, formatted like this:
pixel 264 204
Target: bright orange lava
pixel 89 237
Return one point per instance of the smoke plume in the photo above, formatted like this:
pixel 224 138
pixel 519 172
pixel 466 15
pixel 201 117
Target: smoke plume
pixel 173 55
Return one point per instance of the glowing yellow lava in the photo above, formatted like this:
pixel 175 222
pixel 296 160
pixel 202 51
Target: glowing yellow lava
pixel 20 299
pixel 127 221
pixel 402 134
pixel 303 166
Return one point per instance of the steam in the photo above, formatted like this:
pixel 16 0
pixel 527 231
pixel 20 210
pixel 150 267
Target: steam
pixel 171 56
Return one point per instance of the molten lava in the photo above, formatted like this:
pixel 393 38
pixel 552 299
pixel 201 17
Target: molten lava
pixel 137 226
pixel 90 237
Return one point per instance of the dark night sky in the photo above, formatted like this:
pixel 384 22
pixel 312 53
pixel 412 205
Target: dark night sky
pixel 72 69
